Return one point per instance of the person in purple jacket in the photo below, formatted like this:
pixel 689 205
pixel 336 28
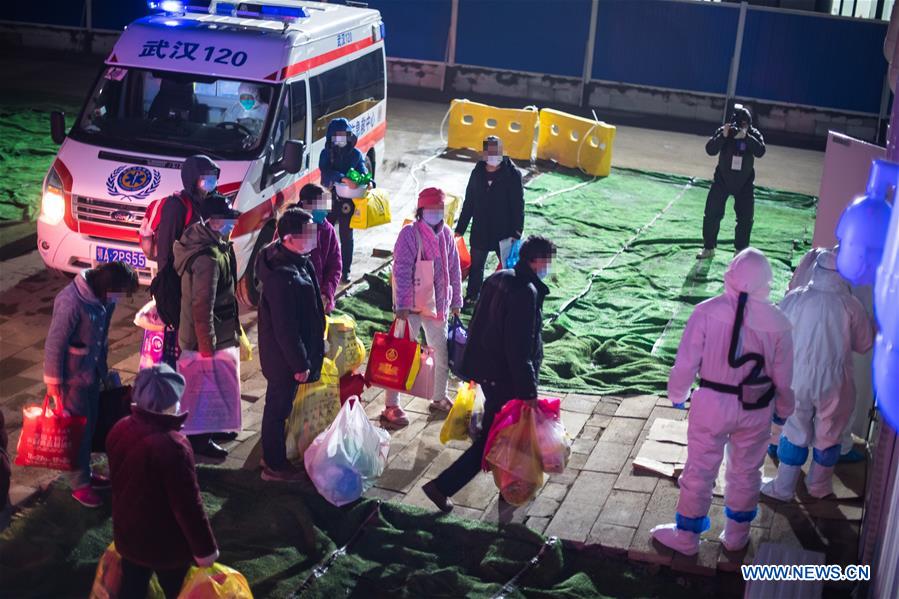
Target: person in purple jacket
pixel 427 239
pixel 326 258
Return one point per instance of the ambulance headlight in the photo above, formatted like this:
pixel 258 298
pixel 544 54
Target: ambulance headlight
pixel 53 202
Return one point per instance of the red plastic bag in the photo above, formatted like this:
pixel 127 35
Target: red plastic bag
pixel 511 412
pixel 49 440
pixel 464 256
pixel 514 458
pixel 394 362
pixel 351 385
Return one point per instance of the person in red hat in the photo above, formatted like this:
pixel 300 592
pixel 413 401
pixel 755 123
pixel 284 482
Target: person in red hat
pixel 427 284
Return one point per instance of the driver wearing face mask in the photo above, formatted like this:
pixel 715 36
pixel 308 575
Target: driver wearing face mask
pixel 494 205
pixel 249 111
pixel 205 261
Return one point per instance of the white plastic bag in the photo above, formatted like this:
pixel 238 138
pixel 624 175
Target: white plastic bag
pixel 553 443
pixel 148 319
pixel 211 391
pixel 347 458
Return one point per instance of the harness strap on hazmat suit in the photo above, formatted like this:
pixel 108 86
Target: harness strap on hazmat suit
pixel 744 391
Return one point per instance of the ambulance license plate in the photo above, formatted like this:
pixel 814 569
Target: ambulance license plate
pixel 130 257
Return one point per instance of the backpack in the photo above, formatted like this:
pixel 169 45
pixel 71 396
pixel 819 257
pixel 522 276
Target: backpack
pixel 149 224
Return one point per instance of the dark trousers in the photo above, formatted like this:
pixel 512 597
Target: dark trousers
pixel 340 215
pixel 476 274
pixel 744 207
pixel 460 473
pixel 279 396
pixel 136 580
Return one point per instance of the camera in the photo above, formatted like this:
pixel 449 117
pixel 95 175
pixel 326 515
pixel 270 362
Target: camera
pixel 739 118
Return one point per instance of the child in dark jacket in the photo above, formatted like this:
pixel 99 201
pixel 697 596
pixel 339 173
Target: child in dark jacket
pixel 291 332
pixel 337 158
pixel 326 258
pixel 158 521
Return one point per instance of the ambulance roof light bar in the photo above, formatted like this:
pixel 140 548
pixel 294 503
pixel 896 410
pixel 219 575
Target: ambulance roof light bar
pixel 282 10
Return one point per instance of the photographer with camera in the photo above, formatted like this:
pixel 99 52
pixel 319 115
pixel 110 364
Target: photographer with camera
pixel 737 145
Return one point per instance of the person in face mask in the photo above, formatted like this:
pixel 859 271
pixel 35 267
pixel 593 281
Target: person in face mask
pixel 326 257
pixel 338 157
pixel 75 353
pixel 828 325
pixel 250 110
pixel 291 332
pixel 205 261
pixel 494 205
pixel 158 521
pixel 426 243
pixel 503 353
pixel 741 347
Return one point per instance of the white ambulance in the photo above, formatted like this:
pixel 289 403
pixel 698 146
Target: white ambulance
pixel 171 88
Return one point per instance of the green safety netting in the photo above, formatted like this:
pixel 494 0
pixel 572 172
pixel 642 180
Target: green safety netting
pixel 625 278
pixel 277 534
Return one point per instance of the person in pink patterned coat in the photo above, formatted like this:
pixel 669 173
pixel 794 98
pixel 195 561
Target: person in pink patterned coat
pixel 428 239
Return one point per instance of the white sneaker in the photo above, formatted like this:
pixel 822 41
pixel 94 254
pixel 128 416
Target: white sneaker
pixel 395 417
pixel 706 254
pixel 671 536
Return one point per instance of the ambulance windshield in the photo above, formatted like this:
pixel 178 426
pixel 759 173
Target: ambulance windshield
pixel 176 113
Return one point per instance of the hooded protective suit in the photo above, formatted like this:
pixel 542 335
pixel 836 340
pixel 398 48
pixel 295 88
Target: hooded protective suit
pixel 252 117
pixel 719 419
pixel 828 325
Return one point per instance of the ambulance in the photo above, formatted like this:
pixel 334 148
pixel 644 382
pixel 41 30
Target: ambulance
pixel 178 83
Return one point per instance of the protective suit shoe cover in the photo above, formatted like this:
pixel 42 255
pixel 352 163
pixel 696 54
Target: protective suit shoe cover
pixel 675 538
pixel 819 481
pixel 783 486
pixel 735 535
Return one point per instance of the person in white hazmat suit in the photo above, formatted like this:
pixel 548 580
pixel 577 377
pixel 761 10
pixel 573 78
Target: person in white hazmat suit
pixel 741 347
pixel 249 111
pixel 828 325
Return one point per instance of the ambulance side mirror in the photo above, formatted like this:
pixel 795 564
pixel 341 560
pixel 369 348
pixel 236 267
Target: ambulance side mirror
pixel 57 127
pixel 292 161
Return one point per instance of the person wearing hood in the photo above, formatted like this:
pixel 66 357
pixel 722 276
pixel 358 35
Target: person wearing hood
pixel 339 155
pixel 325 256
pixel 205 261
pixel 503 353
pixel 75 353
pixel 828 325
pixel 737 144
pixel 741 347
pixel 494 205
pixel 428 239
pixel 291 332
pixel 158 521
pixel 249 110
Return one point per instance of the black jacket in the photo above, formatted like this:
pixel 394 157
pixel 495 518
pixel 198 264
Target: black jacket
pixel 505 345
pixel 291 315
pixel 750 148
pixel 497 210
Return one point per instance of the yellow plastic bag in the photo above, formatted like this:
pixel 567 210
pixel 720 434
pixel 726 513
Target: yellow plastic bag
pixel 108 580
pixel 456 424
pixel 315 407
pixel 371 210
pixel 215 582
pixel 345 349
pixel 450 209
pixel 246 348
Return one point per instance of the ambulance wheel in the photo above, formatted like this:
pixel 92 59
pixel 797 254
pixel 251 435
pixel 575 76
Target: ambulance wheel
pixel 247 293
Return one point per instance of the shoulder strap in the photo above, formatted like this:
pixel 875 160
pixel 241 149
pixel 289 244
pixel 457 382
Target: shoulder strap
pixel 732 358
pixel 188 206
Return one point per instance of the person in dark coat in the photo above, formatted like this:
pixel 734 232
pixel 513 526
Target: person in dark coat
pixel 75 358
pixel 494 205
pixel 503 353
pixel 339 155
pixel 291 332
pixel 737 145
pixel 205 261
pixel 158 521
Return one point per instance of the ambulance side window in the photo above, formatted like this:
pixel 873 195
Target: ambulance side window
pixel 346 91
pixel 298 110
pixel 281 130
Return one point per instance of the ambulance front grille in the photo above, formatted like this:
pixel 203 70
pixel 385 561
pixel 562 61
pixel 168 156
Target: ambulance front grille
pixel 123 215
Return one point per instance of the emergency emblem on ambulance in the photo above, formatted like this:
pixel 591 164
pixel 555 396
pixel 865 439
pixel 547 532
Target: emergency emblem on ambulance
pixel 133 182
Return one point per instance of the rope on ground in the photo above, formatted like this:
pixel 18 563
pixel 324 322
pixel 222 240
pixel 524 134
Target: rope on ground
pixel 512 585
pixel 323 566
pixel 627 245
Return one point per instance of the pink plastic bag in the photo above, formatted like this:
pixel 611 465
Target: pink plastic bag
pixel 425 381
pixel 511 413
pixel 151 349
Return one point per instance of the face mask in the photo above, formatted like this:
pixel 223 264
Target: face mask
pixel 339 141
pixel 319 215
pixel 432 217
pixel 224 227
pixel 542 273
pixel 494 160
pixel 300 245
pixel 207 183
pixel 248 103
